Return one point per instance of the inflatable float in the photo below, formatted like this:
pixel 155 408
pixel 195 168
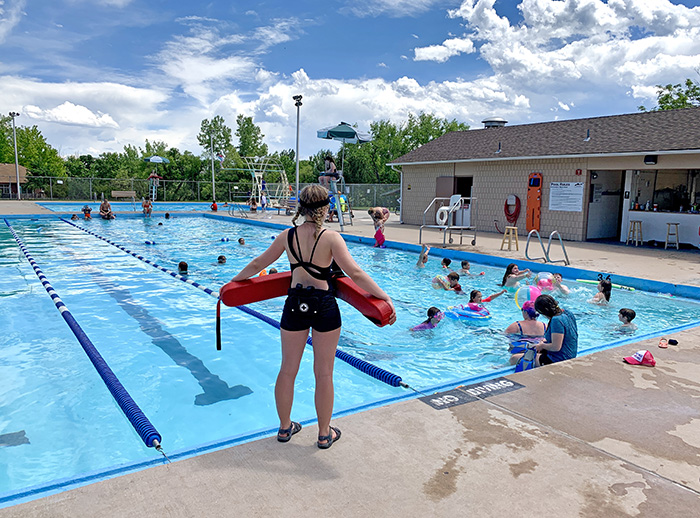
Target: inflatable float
pixel 471 311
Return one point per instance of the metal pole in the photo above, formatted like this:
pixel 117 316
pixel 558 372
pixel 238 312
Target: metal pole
pixel 213 185
pixel 14 138
pixel 297 103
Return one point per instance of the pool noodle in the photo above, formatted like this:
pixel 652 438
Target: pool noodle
pixel 618 286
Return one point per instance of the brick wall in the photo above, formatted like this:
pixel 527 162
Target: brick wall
pixel 493 182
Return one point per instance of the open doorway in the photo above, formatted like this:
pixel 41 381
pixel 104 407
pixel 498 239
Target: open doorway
pixel 604 205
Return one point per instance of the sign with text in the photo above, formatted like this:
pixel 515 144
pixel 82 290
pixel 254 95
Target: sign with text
pixel 566 196
pixel 469 393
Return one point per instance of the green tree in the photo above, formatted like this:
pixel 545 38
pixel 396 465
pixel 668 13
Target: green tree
pixel 366 163
pixel 7 150
pixel 250 138
pixel 36 154
pixel 674 97
pixel 214 133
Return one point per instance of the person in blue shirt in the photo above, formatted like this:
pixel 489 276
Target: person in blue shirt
pixel 561 337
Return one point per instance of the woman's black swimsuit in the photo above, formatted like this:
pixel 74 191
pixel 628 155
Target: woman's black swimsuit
pixel 309 307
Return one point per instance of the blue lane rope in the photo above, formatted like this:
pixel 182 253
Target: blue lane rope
pixel 362 365
pixel 138 420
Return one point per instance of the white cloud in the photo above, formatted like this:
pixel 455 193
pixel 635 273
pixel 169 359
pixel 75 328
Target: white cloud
pixel 10 15
pixel 572 44
pixel 443 52
pixel 69 113
pixel 394 8
pixel 381 64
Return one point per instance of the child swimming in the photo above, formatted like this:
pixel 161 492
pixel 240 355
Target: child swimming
pixel 475 296
pixel 450 282
pixel 423 257
pixel 557 284
pixel 445 263
pixel 604 290
pixel 434 316
pixel 626 316
pixel 464 270
pixel 513 276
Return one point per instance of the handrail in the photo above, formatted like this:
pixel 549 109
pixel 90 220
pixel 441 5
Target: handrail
pixel 527 244
pixel 561 242
pixel 546 257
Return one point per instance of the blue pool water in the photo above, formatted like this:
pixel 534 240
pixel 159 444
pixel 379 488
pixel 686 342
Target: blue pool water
pixel 157 334
pixel 122 206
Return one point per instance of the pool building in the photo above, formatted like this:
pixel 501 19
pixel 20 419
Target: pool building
pixel 594 175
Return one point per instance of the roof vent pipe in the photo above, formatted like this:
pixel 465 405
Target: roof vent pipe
pixel 494 122
pixel 588 136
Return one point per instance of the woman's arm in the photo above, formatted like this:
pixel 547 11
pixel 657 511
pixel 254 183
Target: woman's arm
pixel 554 345
pixel 264 260
pixel 353 270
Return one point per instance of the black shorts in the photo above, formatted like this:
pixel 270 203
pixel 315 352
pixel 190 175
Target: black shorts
pixel 310 308
pixel 545 359
pixel 332 175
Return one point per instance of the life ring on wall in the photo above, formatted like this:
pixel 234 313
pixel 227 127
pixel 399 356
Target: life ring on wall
pixel 442 215
pixel 512 217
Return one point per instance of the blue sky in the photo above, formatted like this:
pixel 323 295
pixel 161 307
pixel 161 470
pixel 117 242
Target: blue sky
pixel 95 75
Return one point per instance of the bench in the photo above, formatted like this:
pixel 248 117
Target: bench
pixel 289 206
pixel 124 194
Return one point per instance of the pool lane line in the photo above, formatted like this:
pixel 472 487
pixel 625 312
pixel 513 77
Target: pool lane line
pixel 214 389
pixel 364 366
pixel 136 417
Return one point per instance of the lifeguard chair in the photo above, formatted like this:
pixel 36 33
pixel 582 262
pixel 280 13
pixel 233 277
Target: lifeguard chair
pixel 153 183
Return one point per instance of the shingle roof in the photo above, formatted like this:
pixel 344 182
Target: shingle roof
pixel 644 133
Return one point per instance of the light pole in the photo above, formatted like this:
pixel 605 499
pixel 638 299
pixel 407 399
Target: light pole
pixel 297 103
pixel 14 139
pixel 213 183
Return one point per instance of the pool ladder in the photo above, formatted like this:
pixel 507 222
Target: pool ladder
pixel 546 257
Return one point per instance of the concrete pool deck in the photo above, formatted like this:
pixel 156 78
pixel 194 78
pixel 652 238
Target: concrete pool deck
pixel 589 437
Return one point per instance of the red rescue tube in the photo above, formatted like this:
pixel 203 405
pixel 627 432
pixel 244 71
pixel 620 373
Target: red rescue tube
pixel 239 293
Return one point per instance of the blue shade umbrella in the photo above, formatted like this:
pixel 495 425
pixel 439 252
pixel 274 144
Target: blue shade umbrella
pixel 344 133
pixel 155 159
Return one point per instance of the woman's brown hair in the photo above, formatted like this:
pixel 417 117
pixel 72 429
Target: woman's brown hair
pixel 310 194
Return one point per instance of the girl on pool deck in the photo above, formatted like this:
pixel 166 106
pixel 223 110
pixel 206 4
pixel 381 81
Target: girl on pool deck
pixel 311 250
pixel 513 276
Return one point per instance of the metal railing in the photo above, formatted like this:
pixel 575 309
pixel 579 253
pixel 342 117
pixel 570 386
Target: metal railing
pixel 81 189
pixel 546 258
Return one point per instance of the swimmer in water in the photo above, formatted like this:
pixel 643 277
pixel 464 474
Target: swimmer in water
pixel 626 316
pixel 557 284
pixel 603 295
pixel 475 296
pixel 434 316
pixel 464 270
pixel 423 257
pixel 513 276
pixel 448 283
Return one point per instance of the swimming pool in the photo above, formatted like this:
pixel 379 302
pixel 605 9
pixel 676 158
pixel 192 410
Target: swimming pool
pixel 127 206
pixel 157 334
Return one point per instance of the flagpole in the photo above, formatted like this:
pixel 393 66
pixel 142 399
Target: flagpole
pixel 213 184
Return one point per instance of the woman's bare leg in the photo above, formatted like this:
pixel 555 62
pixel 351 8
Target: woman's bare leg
pixel 293 343
pixel 325 345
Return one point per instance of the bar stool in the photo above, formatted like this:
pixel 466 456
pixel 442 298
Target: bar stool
pixel 671 233
pixel 635 232
pixel 511 234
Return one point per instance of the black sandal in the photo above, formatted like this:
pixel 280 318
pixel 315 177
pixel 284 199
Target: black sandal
pixel 285 434
pixel 328 439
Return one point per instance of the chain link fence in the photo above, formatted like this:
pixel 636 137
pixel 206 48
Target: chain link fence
pixel 81 189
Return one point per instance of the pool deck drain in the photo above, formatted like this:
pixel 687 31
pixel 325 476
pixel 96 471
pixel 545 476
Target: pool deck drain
pixel 588 437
